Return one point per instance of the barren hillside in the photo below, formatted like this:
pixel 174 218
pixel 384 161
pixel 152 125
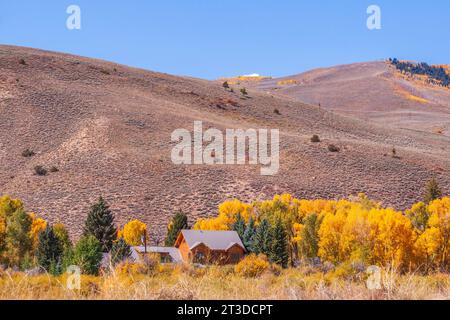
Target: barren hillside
pixel 373 91
pixel 107 129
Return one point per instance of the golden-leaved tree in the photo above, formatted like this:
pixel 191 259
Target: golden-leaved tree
pixel 433 245
pixel 134 233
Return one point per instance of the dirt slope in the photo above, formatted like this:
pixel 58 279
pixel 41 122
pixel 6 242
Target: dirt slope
pixel 107 128
pixel 370 91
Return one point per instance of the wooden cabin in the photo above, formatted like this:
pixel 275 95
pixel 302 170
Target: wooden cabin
pixel 210 247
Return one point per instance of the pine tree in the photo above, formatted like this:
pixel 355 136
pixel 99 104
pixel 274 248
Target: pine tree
pixel 120 251
pixel 100 224
pixel 432 191
pixel 49 251
pixel 279 252
pixel 178 223
pixel 249 235
pixel 239 226
pixel 309 246
pixel 263 239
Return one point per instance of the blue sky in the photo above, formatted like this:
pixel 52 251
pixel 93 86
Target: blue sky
pixel 215 38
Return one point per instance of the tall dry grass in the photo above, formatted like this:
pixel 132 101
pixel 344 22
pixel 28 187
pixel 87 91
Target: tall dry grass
pixel 220 283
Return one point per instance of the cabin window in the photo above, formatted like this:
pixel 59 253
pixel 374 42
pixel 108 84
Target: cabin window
pixel 199 257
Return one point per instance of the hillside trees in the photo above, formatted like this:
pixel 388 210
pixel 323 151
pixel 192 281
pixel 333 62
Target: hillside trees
pixel 178 223
pixel 88 255
pixel 135 233
pixel 120 251
pixel 263 238
pixel 17 239
pixel 279 248
pixel 50 251
pixel 309 237
pixel 100 224
pixel 249 236
pixel 239 226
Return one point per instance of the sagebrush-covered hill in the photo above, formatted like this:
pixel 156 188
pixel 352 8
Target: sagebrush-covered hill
pixel 107 129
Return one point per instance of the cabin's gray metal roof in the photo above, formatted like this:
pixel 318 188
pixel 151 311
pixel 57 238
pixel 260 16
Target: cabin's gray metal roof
pixel 172 251
pixel 215 240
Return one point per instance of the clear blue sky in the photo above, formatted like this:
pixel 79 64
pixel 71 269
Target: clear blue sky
pixel 214 38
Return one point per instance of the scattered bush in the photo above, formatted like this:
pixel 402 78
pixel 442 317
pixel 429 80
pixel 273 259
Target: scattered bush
pixel 432 191
pixel 54 169
pixel 333 148
pixel 315 139
pixel 252 266
pixel 40 170
pixel 27 153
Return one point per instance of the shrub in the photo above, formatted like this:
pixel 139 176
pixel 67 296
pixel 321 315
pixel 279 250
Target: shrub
pixel 120 251
pixel 88 255
pixel 226 85
pixel 432 191
pixel 252 266
pixel 127 268
pixel 54 169
pixel 40 170
pixel 147 266
pixel 315 138
pixel 27 153
pixel 277 112
pixel 22 62
pixel 333 148
pixel 244 92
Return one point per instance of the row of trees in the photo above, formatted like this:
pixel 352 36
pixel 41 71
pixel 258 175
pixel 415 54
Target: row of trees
pixel 357 231
pixel 27 241
pixel 439 74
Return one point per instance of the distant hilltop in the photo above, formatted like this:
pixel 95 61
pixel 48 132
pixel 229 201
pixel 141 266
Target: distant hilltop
pixel 254 77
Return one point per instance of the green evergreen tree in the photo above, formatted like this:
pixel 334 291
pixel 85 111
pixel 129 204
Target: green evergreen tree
pixel 17 239
pixel 263 238
pixel 88 255
pixel 309 246
pixel 279 252
pixel 239 226
pixel 100 224
pixel 49 252
pixel 249 236
pixel 120 251
pixel 178 223
pixel 432 191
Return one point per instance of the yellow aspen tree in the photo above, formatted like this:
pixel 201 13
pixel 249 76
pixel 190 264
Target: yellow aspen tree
pixel 134 232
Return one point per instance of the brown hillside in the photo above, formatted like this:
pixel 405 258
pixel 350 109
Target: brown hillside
pixel 373 91
pixel 107 128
